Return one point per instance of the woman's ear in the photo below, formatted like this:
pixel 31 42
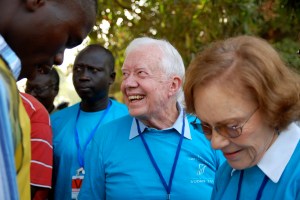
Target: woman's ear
pixel 33 5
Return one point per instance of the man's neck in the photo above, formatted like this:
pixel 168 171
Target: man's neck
pixel 94 106
pixel 162 120
pixel 51 108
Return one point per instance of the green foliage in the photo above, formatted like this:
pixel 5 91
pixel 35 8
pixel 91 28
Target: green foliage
pixel 190 25
pixel 288 49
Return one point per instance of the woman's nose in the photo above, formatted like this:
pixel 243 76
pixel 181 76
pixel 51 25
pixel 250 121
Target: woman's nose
pixel 218 141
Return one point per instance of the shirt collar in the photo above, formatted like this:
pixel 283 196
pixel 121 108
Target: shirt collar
pixel 10 58
pixel 283 148
pixel 177 126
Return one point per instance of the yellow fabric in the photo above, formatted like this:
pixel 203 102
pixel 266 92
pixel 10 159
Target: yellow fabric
pixel 20 126
pixel 23 176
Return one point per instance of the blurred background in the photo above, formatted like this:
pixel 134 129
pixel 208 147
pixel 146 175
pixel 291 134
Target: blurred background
pixel 189 25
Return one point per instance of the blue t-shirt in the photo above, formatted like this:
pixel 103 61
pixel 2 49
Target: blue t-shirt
pixel 65 150
pixel 122 168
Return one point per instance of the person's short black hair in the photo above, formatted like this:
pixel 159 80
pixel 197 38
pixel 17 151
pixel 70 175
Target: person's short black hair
pixel 110 59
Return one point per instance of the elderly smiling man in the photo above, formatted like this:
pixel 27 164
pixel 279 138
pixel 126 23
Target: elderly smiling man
pixel 155 152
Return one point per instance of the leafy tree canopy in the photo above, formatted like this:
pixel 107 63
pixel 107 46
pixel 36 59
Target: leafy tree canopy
pixel 192 24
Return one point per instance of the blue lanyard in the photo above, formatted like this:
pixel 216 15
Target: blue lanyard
pixel 261 188
pixel 167 187
pixel 80 154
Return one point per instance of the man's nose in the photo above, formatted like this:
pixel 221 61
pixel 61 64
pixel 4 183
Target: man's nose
pixel 59 58
pixel 130 81
pixel 84 74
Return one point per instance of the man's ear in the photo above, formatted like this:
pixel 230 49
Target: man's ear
pixel 112 77
pixel 175 85
pixel 33 5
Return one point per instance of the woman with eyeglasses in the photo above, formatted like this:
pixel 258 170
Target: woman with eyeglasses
pixel 248 100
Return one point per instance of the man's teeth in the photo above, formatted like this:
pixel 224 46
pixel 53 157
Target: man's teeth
pixel 136 97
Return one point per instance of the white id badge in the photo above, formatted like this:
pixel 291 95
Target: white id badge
pixel 76 185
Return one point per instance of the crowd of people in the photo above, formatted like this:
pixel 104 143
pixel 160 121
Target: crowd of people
pixel 224 127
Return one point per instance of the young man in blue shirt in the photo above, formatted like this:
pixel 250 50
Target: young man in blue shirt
pixel 74 127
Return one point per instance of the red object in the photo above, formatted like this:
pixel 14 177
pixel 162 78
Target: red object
pixel 41 142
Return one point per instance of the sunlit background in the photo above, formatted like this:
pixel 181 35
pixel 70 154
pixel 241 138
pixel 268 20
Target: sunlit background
pixel 189 25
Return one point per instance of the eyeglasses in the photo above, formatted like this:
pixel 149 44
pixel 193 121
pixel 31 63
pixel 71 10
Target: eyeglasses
pixel 38 90
pixel 225 130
